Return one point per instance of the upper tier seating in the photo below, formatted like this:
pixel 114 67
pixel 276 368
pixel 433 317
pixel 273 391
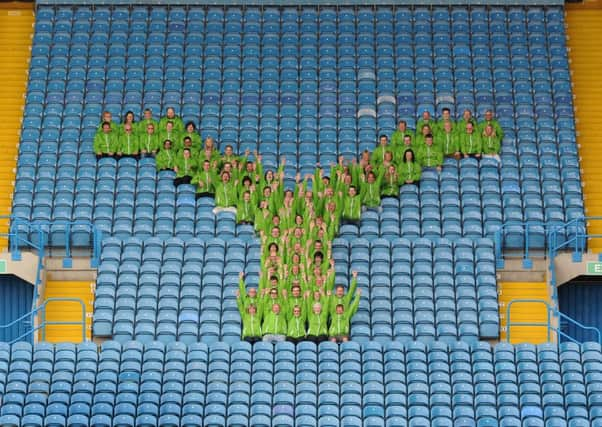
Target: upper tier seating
pixel 307 83
pixel 282 385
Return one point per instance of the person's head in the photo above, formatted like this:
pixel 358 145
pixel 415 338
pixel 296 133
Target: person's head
pixel 296 259
pixel 209 143
pixel 298 219
pixel 426 115
pixel 488 130
pixel 318 245
pixel 365 156
pixel 296 290
pixel 447 127
pixel 225 176
pixel 148 114
pixel 263 204
pixel 309 195
pixel 167 144
pixel 186 153
pixel 107 116
pixel 129 117
pixel 428 139
pixel 150 129
pixel 246 196
pixel 371 177
pixel 352 191
pixel 331 206
pixel 388 156
pixel 298 232
pixel 206 165
pixel 250 166
pixel 467 114
pixel 275 231
pixel 296 311
pixel 276 308
pixel 340 291
pixel 392 170
pixel 276 220
pixel 106 127
pixel 402 125
pixel 383 140
pixel 190 127
pixel 274 284
pixel 227 166
pixel 252 292
pixel 488 115
pixel 252 310
pixel 340 308
pixel 273 248
pixel 469 127
pixel 170 113
pixel 187 142
pixel 269 176
pixel 328 192
pixel 426 129
pixel 246 182
pixel 317 295
pixel 446 114
pixel 408 156
pixel 169 126
pixel 318 257
pixel 228 151
pixel 317 307
pixel 407 140
pixel 295 268
pixel 326 180
pixel 288 194
pixel 347 179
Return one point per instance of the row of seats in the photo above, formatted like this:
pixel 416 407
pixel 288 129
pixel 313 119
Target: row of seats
pixel 185 290
pixel 397 384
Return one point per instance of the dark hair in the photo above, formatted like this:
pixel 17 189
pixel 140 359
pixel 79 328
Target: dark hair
pixel 382 135
pixel 106 124
pixel 404 155
pixel 445 109
pixel 428 135
pixel 190 123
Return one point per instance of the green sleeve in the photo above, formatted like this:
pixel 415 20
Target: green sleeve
pixel 354 306
pixel 241 307
pixel 350 291
pixel 242 290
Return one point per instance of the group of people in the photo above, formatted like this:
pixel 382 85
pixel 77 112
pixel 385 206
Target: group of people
pixel 298 297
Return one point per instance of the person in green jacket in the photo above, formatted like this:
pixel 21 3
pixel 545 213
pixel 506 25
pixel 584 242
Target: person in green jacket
pixel 378 155
pixel 251 322
pixel 491 142
pixel 127 144
pixel 352 206
pixel 274 326
pixel 448 141
pixel 187 143
pixel 247 297
pixel 170 116
pixel 148 142
pixel 340 322
pixel 166 159
pixel 340 297
pixel 185 167
pixel 430 156
pixel 466 118
pixel 170 133
pixel 317 321
pixel 107 117
pixel 408 144
pixel 409 169
pixel 296 325
pixel 490 120
pixel 245 211
pixel 128 119
pixel 390 182
pixel 425 120
pixel 370 189
pixel 147 119
pixel 397 137
pixel 204 180
pixel 191 132
pixel 105 141
pixel 226 193
pixel 470 142
pixel 445 118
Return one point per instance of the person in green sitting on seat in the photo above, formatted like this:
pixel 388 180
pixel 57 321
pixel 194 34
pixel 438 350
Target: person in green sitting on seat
pixel 397 137
pixel 317 320
pixel 274 326
pixel 491 143
pixel 127 144
pixel 296 325
pixel 370 189
pixel 430 156
pixel 448 141
pixel 204 180
pixel 166 159
pixel 245 211
pixel 226 193
pixel 340 322
pixel 470 142
pixel 378 155
pixel 352 206
pixel 409 169
pixel 191 132
pixel 340 297
pixel 148 143
pixel 445 118
pixel 185 167
pixel 425 120
pixel 251 322
pixel 249 297
pixel 466 118
pixel 170 133
pixel 147 119
pixel 105 141
pixel 170 116
pixel 390 182
pixel 490 120
pixel 128 119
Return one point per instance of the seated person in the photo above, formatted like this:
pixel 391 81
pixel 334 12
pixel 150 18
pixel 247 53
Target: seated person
pixel 430 156
pixel 390 182
pixel 491 142
pixel 170 133
pixel 317 320
pixel 147 119
pixel 245 211
pixel 352 206
pixel 296 325
pixel 127 144
pixel 489 120
pixel 448 141
pixel 340 322
pixel 274 326
pixel 445 118
pixel 204 179
pixel 251 322
pixel 226 193
pixel 105 141
pixel 397 137
pixel 187 143
pixel 470 142
pixel 421 137
pixel 128 119
pixel 425 120
pixel 378 155
pixel 148 142
pixel 191 132
pixel 185 167
pixel 107 117
pixel 170 116
pixel 340 297
pixel 409 169
pixel 408 144
pixel 466 118
pixel 166 159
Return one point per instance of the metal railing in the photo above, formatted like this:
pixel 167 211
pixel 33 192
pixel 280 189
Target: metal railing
pixel 27 322
pixel 550 328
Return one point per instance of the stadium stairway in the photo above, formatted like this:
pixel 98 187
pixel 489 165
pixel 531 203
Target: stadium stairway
pixel 68 311
pixel 523 311
pixel 16 29
pixel 584 22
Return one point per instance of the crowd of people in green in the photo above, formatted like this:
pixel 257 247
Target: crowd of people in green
pixel 298 297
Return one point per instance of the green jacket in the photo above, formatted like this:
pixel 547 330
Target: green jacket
pixel 370 192
pixel 345 299
pixel 448 142
pixel 128 144
pixel 317 324
pixel 178 124
pixel 340 324
pixel 174 136
pixel 378 155
pixel 148 143
pixel 246 300
pixel 296 325
pixel 390 185
pixel 470 143
pixel 106 143
pixel 186 167
pixel 352 208
pixel 397 137
pixel 245 211
pixel 142 125
pixel 166 159
pixel 207 178
pixel 490 144
pixel 226 194
pixel 274 324
pixel 409 171
pixel 430 156
pixel 496 126
pixel 251 325
pixel 196 140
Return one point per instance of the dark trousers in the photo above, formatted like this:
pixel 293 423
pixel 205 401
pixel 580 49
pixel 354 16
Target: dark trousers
pixel 182 180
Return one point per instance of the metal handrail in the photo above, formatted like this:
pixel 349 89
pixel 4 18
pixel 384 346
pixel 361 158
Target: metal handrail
pixel 548 322
pixel 43 323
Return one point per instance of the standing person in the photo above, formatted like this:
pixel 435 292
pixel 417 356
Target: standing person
pixel 430 156
pixel 249 297
pixel 425 120
pixel 470 142
pixel 491 143
pixel 466 118
pixel 352 206
pixel 170 116
pixel 185 167
pixel 274 326
pixel 166 159
pixel 370 189
pixel 251 322
pixel 390 183
pixel 128 119
pixel 191 132
pixel 409 169
pixel 169 132
pixel 245 211
pixel 397 137
pixel 340 297
pixel 378 155
pixel 317 319
pixel 147 119
pixel 149 141
pixel 340 322
pixel 204 180
pixel 490 120
pixel 107 117
pixel 105 141
pixel 226 193
pixel 127 144
pixel 296 325
pixel 445 119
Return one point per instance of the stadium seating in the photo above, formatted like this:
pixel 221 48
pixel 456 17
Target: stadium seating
pixel 264 385
pixel 309 83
